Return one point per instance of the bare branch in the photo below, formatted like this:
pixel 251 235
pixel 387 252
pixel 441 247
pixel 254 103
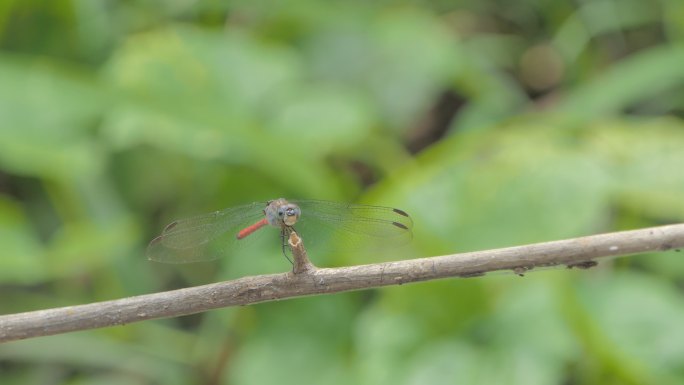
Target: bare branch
pixel 306 280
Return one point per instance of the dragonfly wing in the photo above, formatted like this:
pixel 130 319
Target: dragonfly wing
pixel 353 227
pixel 204 237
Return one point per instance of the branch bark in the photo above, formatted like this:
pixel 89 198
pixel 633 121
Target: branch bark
pixel 306 279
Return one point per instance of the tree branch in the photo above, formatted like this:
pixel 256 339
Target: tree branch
pixel 306 279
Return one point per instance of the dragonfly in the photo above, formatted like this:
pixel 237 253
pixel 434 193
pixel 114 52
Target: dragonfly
pixel 211 236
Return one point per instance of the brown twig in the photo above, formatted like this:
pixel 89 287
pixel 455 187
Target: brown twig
pixel 308 280
pixel 301 263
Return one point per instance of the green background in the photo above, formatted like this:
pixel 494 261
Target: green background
pixel 493 123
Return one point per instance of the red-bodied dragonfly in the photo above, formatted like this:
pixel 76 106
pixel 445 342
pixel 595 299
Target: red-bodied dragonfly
pixel 210 236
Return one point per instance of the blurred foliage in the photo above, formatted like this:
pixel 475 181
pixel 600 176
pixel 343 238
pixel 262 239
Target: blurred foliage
pixel 493 123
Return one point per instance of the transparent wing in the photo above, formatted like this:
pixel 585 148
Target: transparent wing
pixel 204 237
pixel 345 226
pixel 323 224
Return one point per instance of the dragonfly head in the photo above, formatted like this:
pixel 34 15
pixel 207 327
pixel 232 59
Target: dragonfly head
pixel 289 214
pixel 282 213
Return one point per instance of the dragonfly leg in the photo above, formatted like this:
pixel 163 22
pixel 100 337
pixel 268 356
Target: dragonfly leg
pixel 284 236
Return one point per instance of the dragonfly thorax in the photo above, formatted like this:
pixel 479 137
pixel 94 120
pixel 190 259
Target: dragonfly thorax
pixel 280 213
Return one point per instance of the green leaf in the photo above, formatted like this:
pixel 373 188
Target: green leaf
pixel 46 112
pixel 632 81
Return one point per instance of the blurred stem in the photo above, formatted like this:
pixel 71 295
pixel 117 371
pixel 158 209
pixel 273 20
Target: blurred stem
pixel 621 367
pixel 65 199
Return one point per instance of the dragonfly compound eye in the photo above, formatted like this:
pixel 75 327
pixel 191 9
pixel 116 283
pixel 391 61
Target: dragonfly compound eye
pixel 291 215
